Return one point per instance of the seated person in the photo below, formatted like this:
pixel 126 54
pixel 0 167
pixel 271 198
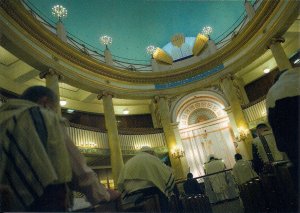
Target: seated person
pixel 191 186
pixel 264 149
pixel 242 171
pixel 145 172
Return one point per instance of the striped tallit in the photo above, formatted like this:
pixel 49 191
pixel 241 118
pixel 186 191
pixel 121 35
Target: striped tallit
pixel 149 168
pixel 32 150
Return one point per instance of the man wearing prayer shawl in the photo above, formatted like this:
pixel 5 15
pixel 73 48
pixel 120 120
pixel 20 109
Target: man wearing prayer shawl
pixel 264 149
pixel 145 171
pixel 218 181
pixel 282 103
pixel 38 158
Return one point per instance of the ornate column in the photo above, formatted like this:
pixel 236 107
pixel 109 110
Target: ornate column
pixel 116 157
pixel 238 83
pixel 279 54
pixel 108 57
pixel 155 120
pixel 52 82
pixel 249 9
pixel 172 143
pixel 236 115
pixel 61 32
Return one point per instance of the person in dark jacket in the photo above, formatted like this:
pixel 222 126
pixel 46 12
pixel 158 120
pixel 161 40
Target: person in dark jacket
pixel 191 186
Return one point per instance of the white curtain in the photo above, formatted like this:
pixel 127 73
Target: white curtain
pixel 218 141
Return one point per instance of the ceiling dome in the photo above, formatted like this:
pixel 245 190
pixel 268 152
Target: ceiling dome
pixel 135 24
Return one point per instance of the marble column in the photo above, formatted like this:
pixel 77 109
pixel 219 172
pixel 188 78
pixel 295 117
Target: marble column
pixel 108 57
pixel 155 120
pixel 237 114
pixel 250 10
pixel 61 32
pixel 52 82
pixel 116 157
pixel 171 139
pixel 281 59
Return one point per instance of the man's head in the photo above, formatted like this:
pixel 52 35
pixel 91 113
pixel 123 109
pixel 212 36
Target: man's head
pixel 261 128
pixel 148 150
pixel 41 95
pixel 238 157
pixel 211 157
pixel 189 175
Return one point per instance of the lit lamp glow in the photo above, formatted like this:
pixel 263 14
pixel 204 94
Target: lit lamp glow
pixel 62 102
pixel 106 40
pixel 267 70
pixel 243 134
pixel 125 111
pixel 150 49
pixel 59 11
pixel 207 31
pixel 177 153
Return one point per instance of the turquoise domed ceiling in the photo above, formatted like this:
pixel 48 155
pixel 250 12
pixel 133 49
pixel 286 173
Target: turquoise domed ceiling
pixel 135 24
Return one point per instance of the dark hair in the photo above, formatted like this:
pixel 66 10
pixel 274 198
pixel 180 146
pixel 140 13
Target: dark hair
pixel 189 175
pixel 238 156
pixel 37 92
pixel 262 125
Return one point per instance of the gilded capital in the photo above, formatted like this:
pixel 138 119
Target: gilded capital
pixel 104 93
pixel 50 72
pixel 275 40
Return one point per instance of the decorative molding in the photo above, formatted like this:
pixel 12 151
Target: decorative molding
pixel 50 72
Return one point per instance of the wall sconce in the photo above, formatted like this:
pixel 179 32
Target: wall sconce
pixel 177 153
pixel 243 134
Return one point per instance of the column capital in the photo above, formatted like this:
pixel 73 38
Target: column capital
pixel 50 72
pixel 104 93
pixel 158 97
pixel 228 76
pixel 275 40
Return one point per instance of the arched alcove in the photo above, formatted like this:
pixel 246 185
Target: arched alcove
pixel 204 129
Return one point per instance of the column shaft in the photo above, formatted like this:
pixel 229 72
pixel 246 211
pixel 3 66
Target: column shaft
pixel 279 55
pixel 113 137
pixel 237 112
pixel 170 136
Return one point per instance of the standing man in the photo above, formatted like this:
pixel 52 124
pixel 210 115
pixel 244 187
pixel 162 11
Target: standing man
pixel 264 149
pixel 38 160
pixel 282 102
pixel 218 181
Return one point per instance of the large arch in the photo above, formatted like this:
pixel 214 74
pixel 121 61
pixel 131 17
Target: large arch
pixel 204 128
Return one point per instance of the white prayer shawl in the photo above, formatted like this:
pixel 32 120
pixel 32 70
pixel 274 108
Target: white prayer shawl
pixel 148 168
pixel 277 155
pixel 31 161
pixel 218 181
pixel 243 172
pixel 288 85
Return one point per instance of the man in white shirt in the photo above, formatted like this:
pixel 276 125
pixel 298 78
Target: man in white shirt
pixel 242 171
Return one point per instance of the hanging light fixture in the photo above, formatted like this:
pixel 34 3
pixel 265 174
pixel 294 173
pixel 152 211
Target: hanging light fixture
pixel 207 31
pixel 151 49
pixel 59 11
pixel 105 40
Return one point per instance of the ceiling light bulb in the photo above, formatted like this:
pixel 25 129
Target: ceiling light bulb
pixel 62 102
pixel 267 70
pixel 70 111
pixel 125 111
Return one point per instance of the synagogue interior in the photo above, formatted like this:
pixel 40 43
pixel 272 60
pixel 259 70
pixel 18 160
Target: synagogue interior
pixel 187 79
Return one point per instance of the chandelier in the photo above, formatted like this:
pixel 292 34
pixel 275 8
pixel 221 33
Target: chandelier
pixel 178 153
pixel 106 40
pixel 151 49
pixel 207 31
pixel 59 11
pixel 243 134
